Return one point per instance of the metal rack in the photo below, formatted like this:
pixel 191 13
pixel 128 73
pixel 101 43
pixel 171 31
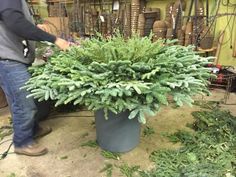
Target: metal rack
pixel 227 82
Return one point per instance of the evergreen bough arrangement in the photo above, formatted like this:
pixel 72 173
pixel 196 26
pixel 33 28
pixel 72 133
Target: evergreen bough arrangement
pixel 120 74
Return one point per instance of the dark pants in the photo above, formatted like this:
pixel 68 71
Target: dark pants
pixel 13 75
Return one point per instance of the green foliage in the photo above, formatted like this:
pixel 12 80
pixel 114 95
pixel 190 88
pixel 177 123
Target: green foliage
pixel 108 169
pixel 64 157
pixel 110 155
pixel 208 152
pixel 148 131
pixel 12 175
pixel 116 74
pixel 207 104
pixel 128 171
pixel 90 143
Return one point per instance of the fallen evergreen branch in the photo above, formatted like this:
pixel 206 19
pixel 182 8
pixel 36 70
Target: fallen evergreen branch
pixel 210 151
pixel 129 171
pixel 108 169
pixel 110 155
pixel 207 104
pixel 148 131
pixel 90 143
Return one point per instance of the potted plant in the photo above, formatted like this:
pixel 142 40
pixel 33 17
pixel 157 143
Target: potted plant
pixel 122 80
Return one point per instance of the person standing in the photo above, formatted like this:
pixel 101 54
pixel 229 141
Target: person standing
pixel 16 26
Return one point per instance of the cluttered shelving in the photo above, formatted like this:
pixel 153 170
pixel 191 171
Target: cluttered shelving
pixel 83 18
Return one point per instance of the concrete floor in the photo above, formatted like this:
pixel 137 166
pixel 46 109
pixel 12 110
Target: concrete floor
pixel 67 158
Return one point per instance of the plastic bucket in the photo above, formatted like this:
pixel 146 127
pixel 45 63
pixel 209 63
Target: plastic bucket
pixel 118 133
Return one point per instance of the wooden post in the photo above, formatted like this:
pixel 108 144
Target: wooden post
pixel 219 45
pixel 234 51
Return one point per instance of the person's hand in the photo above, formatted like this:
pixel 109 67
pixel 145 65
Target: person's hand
pixel 44 27
pixel 62 44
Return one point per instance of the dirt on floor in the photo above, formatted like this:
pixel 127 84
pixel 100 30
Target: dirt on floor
pixel 67 158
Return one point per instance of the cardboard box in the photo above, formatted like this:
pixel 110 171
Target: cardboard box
pixel 58 26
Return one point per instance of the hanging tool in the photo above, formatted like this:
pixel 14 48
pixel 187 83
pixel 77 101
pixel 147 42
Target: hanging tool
pixel 196 34
pixel 64 15
pixel 75 14
pixel 126 20
pixel 116 10
pixel 190 10
pixel 207 12
pixel 87 18
pixel 177 19
pixel 60 18
pixel 103 19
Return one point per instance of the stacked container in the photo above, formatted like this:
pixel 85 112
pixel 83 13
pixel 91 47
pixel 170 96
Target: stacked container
pixel 127 21
pixel 159 30
pixel 188 34
pixel 141 24
pixel 169 33
pixel 135 8
pixel 181 37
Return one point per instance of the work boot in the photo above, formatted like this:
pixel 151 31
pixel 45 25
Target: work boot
pixel 42 131
pixel 33 149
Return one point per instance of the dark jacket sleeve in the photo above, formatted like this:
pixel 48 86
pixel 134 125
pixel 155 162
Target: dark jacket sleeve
pixel 10 4
pixel 17 23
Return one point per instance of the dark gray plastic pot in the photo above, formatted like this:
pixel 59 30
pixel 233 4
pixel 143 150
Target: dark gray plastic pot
pixel 118 133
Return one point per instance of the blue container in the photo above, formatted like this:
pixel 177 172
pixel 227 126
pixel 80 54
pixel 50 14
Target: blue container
pixel 118 133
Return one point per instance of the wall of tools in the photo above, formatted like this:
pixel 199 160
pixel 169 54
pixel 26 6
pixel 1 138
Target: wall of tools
pixel 188 21
pixel 86 17
pixel 207 24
